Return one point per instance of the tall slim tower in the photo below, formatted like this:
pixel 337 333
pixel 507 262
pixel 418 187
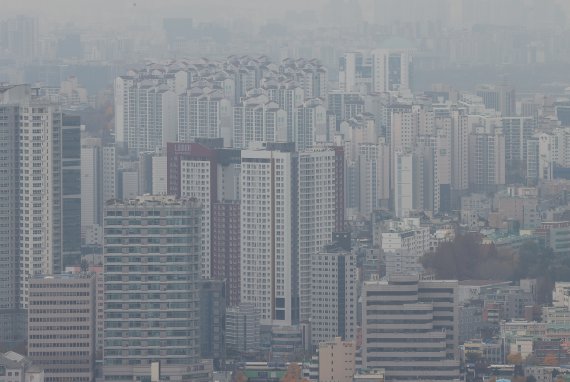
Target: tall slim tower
pixel 9 232
pixel 40 193
pixel 40 169
pixel 269 254
pixel 71 189
pixel 318 205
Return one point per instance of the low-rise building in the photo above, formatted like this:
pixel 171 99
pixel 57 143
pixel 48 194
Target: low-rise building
pixel 336 360
pixel 242 330
pixel 375 375
pixel 15 367
pixel 61 326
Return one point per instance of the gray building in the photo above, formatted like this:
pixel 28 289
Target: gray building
pixel 334 279
pixel 71 189
pixel 470 321
pixel 410 328
pixel 151 265
pixel 242 329
pixel 213 321
pixel 9 230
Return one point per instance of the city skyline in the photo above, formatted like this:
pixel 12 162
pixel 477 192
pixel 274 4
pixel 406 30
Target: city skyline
pixel 271 191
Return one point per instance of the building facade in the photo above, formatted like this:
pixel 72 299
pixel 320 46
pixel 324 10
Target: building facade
pixel 151 259
pixel 334 280
pixel 410 328
pixel 61 326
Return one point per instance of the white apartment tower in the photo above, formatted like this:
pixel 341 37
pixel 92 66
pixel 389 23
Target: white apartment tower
pixel 40 193
pixel 195 182
pixel 408 183
pixel 289 95
pixel 258 120
pixel 204 113
pixel 146 113
pixel 289 210
pixel 91 190
pixel 269 256
pixel 317 203
pixel 311 127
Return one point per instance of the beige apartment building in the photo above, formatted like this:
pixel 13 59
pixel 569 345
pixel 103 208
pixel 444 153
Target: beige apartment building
pixel 336 360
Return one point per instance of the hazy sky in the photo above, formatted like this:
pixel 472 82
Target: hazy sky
pixel 117 12
pixel 87 11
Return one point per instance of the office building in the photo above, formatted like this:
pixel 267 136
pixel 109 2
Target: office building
pixel 333 288
pixel 71 189
pixel 61 326
pixel 242 330
pixel 337 360
pixel 213 321
pixel 285 342
pixel 410 328
pixel 151 259
pixel 9 228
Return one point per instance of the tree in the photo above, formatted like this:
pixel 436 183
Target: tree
pixel 472 356
pixel 239 376
pixel 84 265
pixel 514 359
pixel 550 359
pixel 293 373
